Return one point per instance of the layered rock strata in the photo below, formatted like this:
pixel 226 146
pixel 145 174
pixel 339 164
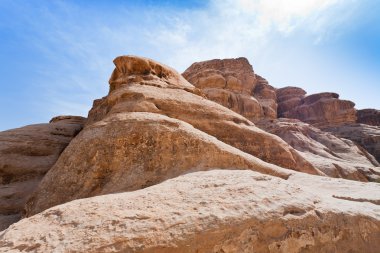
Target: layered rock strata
pixel 336 157
pixel 368 117
pixel 288 98
pixel 233 84
pixel 365 135
pixel 26 154
pixel 320 110
pixel 153 126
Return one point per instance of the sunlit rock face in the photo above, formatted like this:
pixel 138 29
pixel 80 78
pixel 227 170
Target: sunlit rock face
pixel 233 84
pixel 334 156
pixel 365 135
pixel 151 127
pixel 212 161
pixel 213 211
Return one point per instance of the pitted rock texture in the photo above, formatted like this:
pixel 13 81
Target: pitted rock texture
pixel 140 135
pixel 180 102
pixel 133 69
pixel 365 135
pixel 130 151
pixel 368 117
pixel 321 109
pixel 26 154
pixel 336 157
pixel 220 211
pixel 233 84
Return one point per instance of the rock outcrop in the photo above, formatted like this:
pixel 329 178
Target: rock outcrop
pixel 229 164
pixel 26 154
pixel 365 135
pixel 233 84
pixel 288 98
pixel 368 117
pixel 220 211
pixel 321 109
pixel 140 135
pixel 334 156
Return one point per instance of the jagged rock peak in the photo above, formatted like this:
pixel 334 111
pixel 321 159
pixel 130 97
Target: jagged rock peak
pixel 134 69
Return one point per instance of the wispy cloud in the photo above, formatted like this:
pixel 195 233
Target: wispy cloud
pixel 78 42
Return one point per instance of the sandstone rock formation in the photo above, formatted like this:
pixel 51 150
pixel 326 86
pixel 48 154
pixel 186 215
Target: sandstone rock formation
pixel 220 211
pixel 26 154
pixel 139 135
pixel 365 135
pixel 320 110
pixel 289 98
pixel 334 156
pixel 233 84
pixel 230 185
pixel 368 117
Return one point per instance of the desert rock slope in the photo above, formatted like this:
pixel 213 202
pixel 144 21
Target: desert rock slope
pixel 214 160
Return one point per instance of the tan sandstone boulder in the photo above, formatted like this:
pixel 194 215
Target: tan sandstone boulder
pixel 214 211
pixel 233 84
pixel 336 157
pixel 145 132
pixel 26 154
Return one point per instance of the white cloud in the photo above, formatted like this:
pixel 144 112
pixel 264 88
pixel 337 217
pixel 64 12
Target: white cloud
pixel 231 28
pixel 81 44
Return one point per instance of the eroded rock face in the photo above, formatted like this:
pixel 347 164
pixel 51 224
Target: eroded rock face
pixel 324 215
pixel 334 156
pixel 321 110
pixel 180 101
pixel 140 135
pixel 130 151
pixel 266 95
pixel 368 117
pixel 365 135
pixel 289 98
pixel 233 84
pixel 26 154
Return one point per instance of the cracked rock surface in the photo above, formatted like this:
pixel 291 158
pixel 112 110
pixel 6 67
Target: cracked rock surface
pixel 212 211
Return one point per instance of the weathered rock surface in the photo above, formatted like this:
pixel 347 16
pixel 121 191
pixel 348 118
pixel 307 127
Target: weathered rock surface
pixel 368 117
pixel 26 154
pixel 233 84
pixel 266 95
pixel 179 100
pixel 288 98
pixel 130 151
pixel 365 135
pixel 140 135
pixel 220 211
pixel 228 185
pixel 334 156
pixel 320 110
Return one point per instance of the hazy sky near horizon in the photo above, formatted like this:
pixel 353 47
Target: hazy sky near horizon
pixel 56 56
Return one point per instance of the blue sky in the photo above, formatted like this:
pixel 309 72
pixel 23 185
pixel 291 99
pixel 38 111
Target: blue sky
pixel 56 56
